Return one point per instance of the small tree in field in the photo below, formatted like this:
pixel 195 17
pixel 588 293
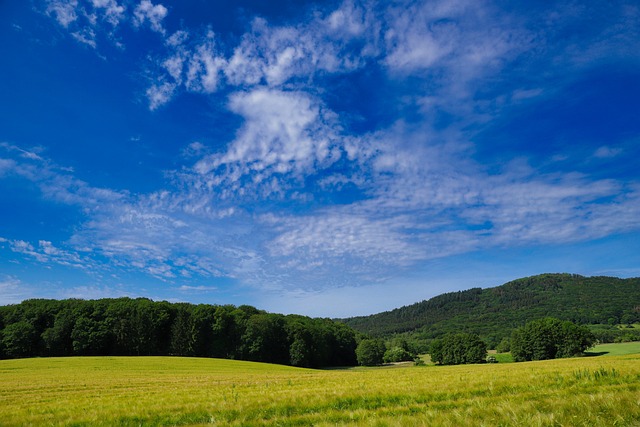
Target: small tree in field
pixel 397 354
pixel 457 349
pixel 504 346
pixel 370 352
pixel 549 338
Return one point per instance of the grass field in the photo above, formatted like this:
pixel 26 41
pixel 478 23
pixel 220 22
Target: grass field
pixel 617 349
pixel 589 391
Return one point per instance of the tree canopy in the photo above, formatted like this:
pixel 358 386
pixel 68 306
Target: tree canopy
pixel 370 352
pixel 457 349
pixel 125 326
pixel 549 338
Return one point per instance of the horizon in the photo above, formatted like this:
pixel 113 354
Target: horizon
pixel 343 317
pixel 325 158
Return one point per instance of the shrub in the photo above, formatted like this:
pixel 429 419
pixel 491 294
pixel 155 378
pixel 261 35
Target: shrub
pixel 397 354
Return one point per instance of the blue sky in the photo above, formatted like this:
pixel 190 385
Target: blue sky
pixel 323 158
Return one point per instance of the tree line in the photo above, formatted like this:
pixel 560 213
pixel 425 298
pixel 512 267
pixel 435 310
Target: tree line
pixel 126 327
pixel 540 339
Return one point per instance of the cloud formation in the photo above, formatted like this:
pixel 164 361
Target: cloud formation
pixel 356 153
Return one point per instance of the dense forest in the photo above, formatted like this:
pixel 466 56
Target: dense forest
pixel 125 326
pixel 494 313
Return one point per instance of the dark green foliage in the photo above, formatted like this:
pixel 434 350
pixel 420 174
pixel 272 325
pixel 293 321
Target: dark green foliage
pixel 265 339
pixel 126 326
pixel 20 339
pixel 90 337
pixel 504 346
pixel 458 349
pixel 549 338
pixel 370 352
pixel 610 334
pixel 494 312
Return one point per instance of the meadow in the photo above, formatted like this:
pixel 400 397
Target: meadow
pixel 617 349
pixel 160 391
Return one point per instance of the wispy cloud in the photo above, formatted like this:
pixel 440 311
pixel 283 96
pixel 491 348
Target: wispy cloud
pixel 270 56
pixel 12 290
pixel 606 152
pixel 87 20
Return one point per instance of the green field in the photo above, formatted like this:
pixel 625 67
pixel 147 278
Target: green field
pixel 133 391
pixel 617 349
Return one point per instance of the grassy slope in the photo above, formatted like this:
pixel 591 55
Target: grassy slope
pixel 617 349
pixel 595 391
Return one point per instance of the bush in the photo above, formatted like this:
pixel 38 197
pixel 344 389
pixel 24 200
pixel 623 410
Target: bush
pixel 397 354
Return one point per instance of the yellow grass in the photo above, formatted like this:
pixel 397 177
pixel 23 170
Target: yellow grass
pixel 594 391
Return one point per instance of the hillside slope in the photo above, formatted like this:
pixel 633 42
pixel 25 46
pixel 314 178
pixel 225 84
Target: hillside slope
pixel 494 312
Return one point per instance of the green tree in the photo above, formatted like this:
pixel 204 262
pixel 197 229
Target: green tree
pixel 397 354
pixel 504 346
pixel 90 337
pixel 456 349
pixel 20 339
pixel 227 329
pixel 181 339
pixel 370 352
pixel 265 339
pixel 343 345
pixel 57 339
pixel 549 338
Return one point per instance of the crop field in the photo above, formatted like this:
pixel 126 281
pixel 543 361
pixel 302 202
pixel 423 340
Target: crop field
pixel 128 391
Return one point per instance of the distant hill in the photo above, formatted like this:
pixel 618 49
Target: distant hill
pixel 495 312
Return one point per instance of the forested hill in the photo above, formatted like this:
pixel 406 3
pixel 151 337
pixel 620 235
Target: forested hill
pixel 494 312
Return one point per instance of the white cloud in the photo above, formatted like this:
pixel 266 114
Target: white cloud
pixel 12 290
pixel 606 152
pixel 86 36
pixel 284 133
pixel 333 236
pixel 148 12
pixel 64 11
pixel 205 67
pixel 47 253
pixel 6 165
pixel 197 289
pixel 113 12
pixel 160 94
pixel 270 55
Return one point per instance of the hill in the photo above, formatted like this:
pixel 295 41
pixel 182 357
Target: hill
pixel 495 312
